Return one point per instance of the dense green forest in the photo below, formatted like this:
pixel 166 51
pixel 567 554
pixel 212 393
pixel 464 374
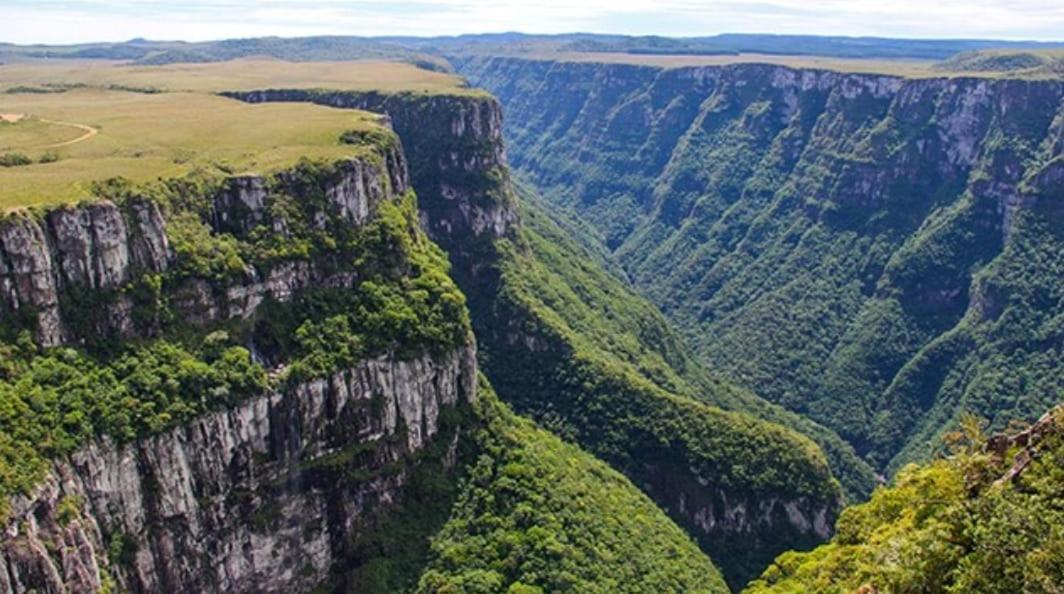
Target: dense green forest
pixel 535 514
pixel 829 246
pixel 582 354
pixel 988 518
pixel 567 283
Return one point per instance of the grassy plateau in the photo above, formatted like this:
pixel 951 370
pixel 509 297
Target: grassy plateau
pixel 79 122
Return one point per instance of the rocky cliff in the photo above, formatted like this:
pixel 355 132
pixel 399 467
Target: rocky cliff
pixel 263 497
pixel 216 491
pixel 457 160
pixel 821 236
pixel 534 354
pixel 101 250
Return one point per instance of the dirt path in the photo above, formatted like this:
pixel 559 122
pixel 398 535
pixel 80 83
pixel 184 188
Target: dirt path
pixel 89 133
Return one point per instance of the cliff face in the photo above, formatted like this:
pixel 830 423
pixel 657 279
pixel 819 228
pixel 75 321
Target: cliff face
pixel 100 250
pixel 820 236
pixel 458 168
pixel 87 248
pixel 268 493
pixel 457 160
pixel 262 497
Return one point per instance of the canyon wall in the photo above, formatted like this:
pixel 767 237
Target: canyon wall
pixel 265 494
pixel 262 497
pixel 878 253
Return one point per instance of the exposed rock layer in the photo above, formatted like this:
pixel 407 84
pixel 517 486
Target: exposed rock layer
pixel 99 249
pixel 265 496
pixel 459 171
pixel 249 499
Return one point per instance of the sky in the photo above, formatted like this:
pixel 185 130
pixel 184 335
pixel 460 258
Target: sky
pixel 76 21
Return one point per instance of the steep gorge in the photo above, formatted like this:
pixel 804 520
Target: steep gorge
pixel 879 254
pixel 563 342
pixel 268 384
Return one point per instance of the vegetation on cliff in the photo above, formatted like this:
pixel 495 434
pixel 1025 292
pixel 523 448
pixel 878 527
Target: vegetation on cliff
pixel 53 400
pixel 570 346
pixel 987 519
pixel 827 245
pixel 535 514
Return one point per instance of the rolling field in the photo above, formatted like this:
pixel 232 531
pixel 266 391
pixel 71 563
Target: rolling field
pixel 103 124
pixel 144 137
pixel 234 75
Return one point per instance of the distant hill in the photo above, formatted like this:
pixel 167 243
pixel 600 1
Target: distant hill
pixel 302 49
pixel 1028 62
pixel 728 43
pixel 425 51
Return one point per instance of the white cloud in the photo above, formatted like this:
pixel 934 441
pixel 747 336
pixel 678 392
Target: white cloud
pixel 68 21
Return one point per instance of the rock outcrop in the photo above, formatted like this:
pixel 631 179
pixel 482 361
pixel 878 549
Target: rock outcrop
pixel 100 249
pixel 89 248
pixel 268 494
pixel 455 146
pixel 459 170
pixel 262 497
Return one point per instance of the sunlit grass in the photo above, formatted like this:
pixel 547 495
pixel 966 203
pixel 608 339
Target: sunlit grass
pixel 179 126
pixel 235 75
pixel 145 137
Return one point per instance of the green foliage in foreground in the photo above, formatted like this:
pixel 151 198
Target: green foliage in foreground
pixel 537 515
pixel 945 528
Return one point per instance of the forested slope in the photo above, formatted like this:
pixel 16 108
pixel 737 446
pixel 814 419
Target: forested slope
pixel 879 254
pixel 986 519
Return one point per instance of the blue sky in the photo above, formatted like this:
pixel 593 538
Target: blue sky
pixel 70 21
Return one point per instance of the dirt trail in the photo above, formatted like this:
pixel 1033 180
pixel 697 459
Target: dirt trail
pixel 89 133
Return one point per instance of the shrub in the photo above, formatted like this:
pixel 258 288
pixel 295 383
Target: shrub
pixel 14 160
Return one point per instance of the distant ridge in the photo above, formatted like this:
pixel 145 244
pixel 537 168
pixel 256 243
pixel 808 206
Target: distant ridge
pixel 420 50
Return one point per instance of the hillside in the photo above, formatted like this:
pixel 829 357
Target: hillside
pixel 426 51
pixel 536 514
pixel 158 53
pixel 870 251
pixel 1033 63
pixel 338 325
pixel 986 519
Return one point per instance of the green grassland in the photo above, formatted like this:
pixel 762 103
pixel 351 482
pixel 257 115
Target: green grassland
pixel 233 75
pixel 99 120
pixel 144 137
